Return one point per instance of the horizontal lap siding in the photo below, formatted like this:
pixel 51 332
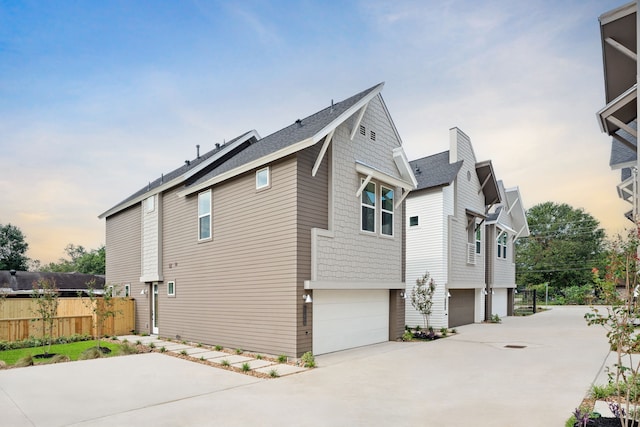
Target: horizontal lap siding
pixel 313 200
pixel 124 260
pixel 239 289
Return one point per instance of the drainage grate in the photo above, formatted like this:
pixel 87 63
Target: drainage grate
pixel 515 346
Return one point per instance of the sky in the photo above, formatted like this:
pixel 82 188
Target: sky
pixel 99 98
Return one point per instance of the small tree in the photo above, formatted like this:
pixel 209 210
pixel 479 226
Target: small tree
pixel 45 295
pixel 102 307
pixel 620 319
pixel 422 296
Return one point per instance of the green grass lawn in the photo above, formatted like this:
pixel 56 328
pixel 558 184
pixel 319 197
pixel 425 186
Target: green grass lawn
pixel 72 350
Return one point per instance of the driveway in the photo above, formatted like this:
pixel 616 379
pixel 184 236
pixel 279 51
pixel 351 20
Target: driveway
pixel 467 379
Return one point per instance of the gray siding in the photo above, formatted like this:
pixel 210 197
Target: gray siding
pixel 123 258
pixel 351 255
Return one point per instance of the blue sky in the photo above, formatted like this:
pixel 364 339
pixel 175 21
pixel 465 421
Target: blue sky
pixel 98 98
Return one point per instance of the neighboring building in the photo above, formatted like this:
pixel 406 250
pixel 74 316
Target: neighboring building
pixel 280 245
pixel 445 232
pixel 20 283
pixel 505 224
pixel 619 36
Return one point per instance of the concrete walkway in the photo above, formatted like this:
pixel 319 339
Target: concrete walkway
pixel 471 378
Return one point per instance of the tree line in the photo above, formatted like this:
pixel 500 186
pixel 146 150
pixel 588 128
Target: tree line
pixel 13 249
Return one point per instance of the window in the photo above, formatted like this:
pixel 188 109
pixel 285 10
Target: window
pixel 413 221
pixel 478 238
pixel 262 178
pixel 368 204
pixel 386 204
pixel 151 204
pixel 171 288
pixel 204 215
pixel 502 246
pixel 127 290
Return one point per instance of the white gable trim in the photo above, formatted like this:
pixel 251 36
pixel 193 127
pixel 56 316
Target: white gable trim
pixel 180 179
pixel 293 148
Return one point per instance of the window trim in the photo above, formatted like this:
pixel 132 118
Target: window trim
pixel 383 210
pixel 502 246
pixel 171 286
pixel 268 183
pixel 368 206
pixel 200 238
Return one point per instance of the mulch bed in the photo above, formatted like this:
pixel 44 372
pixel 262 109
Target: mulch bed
pixel 609 422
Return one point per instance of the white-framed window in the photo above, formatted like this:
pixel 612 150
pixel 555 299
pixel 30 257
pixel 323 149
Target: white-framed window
pixel 171 288
pixel 204 215
pixel 368 208
pixel 414 221
pixel 150 203
pixel 502 246
pixel 127 289
pixel 478 238
pixel 262 178
pixel 386 207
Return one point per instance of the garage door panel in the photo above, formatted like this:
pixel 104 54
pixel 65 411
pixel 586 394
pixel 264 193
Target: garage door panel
pixel 461 307
pixel 349 318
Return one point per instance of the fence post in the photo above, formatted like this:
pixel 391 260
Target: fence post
pixel 535 301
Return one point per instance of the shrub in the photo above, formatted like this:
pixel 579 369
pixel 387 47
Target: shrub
pixel 90 353
pixel 60 358
pixel 3 364
pixel 152 345
pixel 225 362
pixel 238 351
pixel 127 348
pixel 407 336
pixel 184 352
pixel 25 361
pixel 218 348
pixel 282 358
pixel 163 349
pixel 246 367
pixel 274 373
pixel 308 361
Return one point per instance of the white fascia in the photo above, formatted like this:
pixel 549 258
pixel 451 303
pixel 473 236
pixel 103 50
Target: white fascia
pixel 183 177
pixel 293 148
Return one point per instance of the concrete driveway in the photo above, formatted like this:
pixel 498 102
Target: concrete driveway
pixel 467 379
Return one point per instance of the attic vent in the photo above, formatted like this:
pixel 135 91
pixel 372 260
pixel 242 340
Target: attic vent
pixel 471 253
pixel 372 135
pixel 363 131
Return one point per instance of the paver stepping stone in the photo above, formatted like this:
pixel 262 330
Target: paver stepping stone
pixel 173 347
pixel 197 350
pixel 254 364
pixel 212 354
pixel 231 359
pixel 281 369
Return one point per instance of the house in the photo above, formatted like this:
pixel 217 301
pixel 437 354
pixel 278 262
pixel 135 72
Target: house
pixel 618 118
pixel 19 284
pixel 505 224
pixel 445 232
pixel 280 245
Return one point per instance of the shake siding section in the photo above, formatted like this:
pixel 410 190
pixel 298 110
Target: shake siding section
pixel 465 275
pixel 239 289
pixel 352 255
pixel 123 260
pixel 313 202
pixel 151 239
pixel 427 252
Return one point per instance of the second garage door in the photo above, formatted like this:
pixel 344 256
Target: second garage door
pixel 461 307
pixel 349 318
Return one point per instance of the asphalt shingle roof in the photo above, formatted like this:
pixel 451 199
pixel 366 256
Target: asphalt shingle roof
pixel 620 153
pixel 23 280
pixel 299 131
pixel 435 171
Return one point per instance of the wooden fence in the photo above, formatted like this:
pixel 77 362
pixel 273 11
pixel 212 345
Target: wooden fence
pixel 18 318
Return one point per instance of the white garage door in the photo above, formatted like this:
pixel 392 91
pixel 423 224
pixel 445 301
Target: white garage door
pixel 499 302
pixel 349 318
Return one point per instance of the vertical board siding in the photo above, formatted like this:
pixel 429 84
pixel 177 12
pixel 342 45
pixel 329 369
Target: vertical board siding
pixel 150 238
pixel 313 212
pixel 352 255
pixel 239 288
pixel 123 245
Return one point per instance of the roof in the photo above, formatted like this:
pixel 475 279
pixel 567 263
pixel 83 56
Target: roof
pixel 301 134
pixel 210 159
pixel 435 171
pixel 622 155
pixel 21 282
pixel 487 178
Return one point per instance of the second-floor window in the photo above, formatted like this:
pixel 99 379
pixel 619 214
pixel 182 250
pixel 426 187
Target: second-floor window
pixel 478 238
pixel 204 215
pixel 368 208
pixel 502 246
pixel 386 205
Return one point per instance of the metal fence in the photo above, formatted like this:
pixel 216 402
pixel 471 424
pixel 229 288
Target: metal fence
pixel 525 303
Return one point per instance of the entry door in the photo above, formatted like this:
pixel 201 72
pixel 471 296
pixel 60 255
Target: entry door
pixel 154 309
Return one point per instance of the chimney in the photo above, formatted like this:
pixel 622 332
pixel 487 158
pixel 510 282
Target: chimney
pixel 198 151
